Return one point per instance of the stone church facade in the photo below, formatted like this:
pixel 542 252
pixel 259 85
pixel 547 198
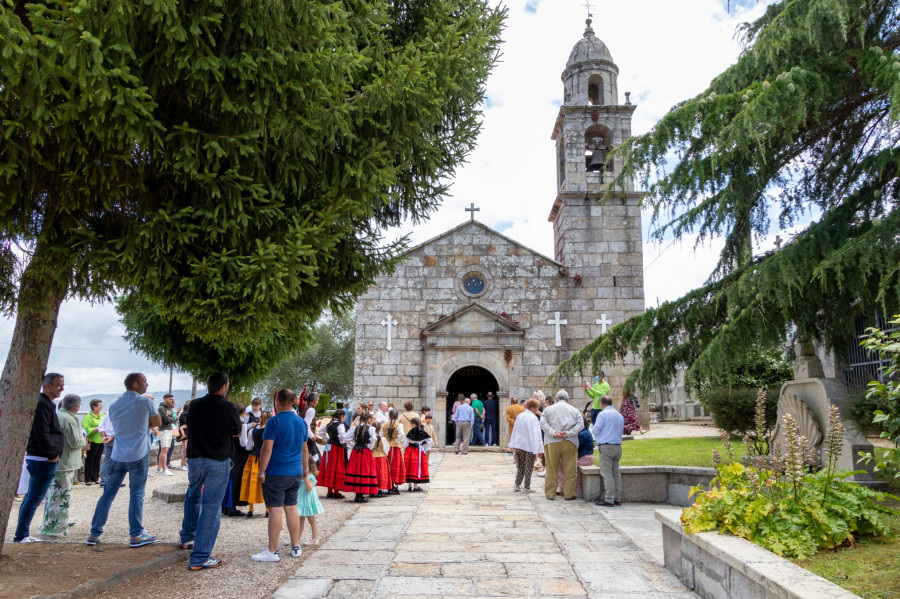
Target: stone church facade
pixel 474 311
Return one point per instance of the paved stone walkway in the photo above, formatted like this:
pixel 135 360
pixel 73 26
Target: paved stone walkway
pixel 471 536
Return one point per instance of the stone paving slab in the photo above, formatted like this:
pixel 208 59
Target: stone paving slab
pixel 471 536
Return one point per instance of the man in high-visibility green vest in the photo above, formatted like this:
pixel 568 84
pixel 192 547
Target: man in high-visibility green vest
pixel 596 393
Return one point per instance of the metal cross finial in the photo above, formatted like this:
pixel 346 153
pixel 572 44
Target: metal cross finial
pixel 587 5
pixel 473 210
pixel 388 322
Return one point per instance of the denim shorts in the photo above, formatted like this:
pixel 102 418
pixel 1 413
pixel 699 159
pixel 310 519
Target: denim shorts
pixel 279 491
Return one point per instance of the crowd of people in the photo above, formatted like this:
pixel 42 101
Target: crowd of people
pixel 234 457
pixel 246 457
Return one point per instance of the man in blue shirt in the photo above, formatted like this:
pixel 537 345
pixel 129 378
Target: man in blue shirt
pixel 131 416
pixel 607 432
pixel 464 418
pixel 283 465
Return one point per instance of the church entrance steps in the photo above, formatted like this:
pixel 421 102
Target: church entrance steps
pixel 470 535
pixel 472 449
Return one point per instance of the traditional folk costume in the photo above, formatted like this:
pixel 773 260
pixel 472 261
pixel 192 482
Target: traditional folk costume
pixel 393 432
pixel 417 443
pixel 251 488
pixel 239 456
pixel 333 470
pixel 382 471
pixel 360 477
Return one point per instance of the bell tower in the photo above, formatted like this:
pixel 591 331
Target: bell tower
pixel 600 242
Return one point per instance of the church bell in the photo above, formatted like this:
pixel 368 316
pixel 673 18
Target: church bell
pixel 597 161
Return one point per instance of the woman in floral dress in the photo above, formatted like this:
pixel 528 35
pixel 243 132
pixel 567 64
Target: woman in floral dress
pixel 56 509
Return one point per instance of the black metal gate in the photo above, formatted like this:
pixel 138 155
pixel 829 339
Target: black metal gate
pixel 864 366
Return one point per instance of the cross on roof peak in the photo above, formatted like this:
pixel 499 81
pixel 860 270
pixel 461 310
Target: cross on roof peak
pixel 587 5
pixel 473 210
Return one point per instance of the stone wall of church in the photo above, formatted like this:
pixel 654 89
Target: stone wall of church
pixel 521 285
pixel 427 286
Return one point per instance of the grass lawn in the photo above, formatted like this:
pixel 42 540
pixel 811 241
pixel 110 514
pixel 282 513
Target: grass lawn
pixel 871 569
pixel 689 451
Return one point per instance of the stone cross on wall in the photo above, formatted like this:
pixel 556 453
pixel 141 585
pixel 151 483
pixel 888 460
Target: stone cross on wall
pixel 388 322
pixel 473 210
pixel 556 322
pixel 603 321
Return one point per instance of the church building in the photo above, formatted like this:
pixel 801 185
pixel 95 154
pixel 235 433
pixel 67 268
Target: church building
pixel 473 311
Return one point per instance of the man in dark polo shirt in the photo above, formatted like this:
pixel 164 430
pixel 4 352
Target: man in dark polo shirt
pixel 213 421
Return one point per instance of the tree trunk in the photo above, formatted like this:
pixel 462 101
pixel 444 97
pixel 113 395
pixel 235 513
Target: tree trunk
pixel 41 291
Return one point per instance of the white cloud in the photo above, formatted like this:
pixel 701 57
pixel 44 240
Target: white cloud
pixel 666 52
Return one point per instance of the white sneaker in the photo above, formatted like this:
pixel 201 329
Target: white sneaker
pixel 166 473
pixel 517 488
pixel 183 468
pixel 296 551
pixel 266 556
pixel 30 540
pixel 542 474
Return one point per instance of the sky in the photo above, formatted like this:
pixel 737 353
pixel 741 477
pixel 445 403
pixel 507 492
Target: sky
pixel 666 52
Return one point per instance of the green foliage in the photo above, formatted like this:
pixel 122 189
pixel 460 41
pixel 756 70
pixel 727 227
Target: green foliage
pixel 325 365
pixel 733 409
pixel 324 404
pixel 803 125
pixel 231 162
pixel 779 505
pixel 166 342
pixel 773 517
pixel 887 347
pixel 861 409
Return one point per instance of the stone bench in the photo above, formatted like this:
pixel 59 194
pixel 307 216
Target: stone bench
pixel 724 566
pixel 171 493
pixel 649 484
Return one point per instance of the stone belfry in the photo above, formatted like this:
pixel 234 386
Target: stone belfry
pixel 598 241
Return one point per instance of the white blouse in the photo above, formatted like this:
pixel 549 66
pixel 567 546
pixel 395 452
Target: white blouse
pixel 526 434
pixel 348 437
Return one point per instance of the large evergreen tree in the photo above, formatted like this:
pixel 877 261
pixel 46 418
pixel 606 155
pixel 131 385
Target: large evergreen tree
pixel 803 127
pixel 231 162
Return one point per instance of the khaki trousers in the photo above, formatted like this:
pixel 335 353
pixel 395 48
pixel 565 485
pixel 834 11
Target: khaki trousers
pixel 567 452
pixel 463 434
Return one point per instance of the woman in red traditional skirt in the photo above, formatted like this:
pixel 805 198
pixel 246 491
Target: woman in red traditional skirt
pixel 393 432
pixel 360 478
pixel 333 468
pixel 417 444
pixel 380 453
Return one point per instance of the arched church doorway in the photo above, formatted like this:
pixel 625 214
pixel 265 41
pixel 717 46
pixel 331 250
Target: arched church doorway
pixel 464 382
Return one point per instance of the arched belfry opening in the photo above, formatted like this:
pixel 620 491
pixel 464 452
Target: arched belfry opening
pixel 595 89
pixel 597 139
pixel 463 383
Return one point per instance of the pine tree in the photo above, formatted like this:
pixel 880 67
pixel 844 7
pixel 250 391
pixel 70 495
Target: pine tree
pixel 230 162
pixel 803 125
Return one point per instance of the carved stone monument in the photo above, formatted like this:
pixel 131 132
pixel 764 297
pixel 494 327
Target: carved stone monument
pixel 808 398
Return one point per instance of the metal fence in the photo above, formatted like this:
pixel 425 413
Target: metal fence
pixel 864 366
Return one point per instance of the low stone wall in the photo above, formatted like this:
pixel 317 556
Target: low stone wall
pixel 649 484
pixel 718 566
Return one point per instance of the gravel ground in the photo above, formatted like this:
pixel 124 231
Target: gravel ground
pixel 238 539
pixel 670 430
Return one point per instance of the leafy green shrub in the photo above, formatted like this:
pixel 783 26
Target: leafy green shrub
pixel 324 403
pixel 781 506
pixel 861 408
pixel 733 410
pixel 887 394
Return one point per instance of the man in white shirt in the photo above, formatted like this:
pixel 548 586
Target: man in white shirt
pixel 561 424
pixel 382 414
